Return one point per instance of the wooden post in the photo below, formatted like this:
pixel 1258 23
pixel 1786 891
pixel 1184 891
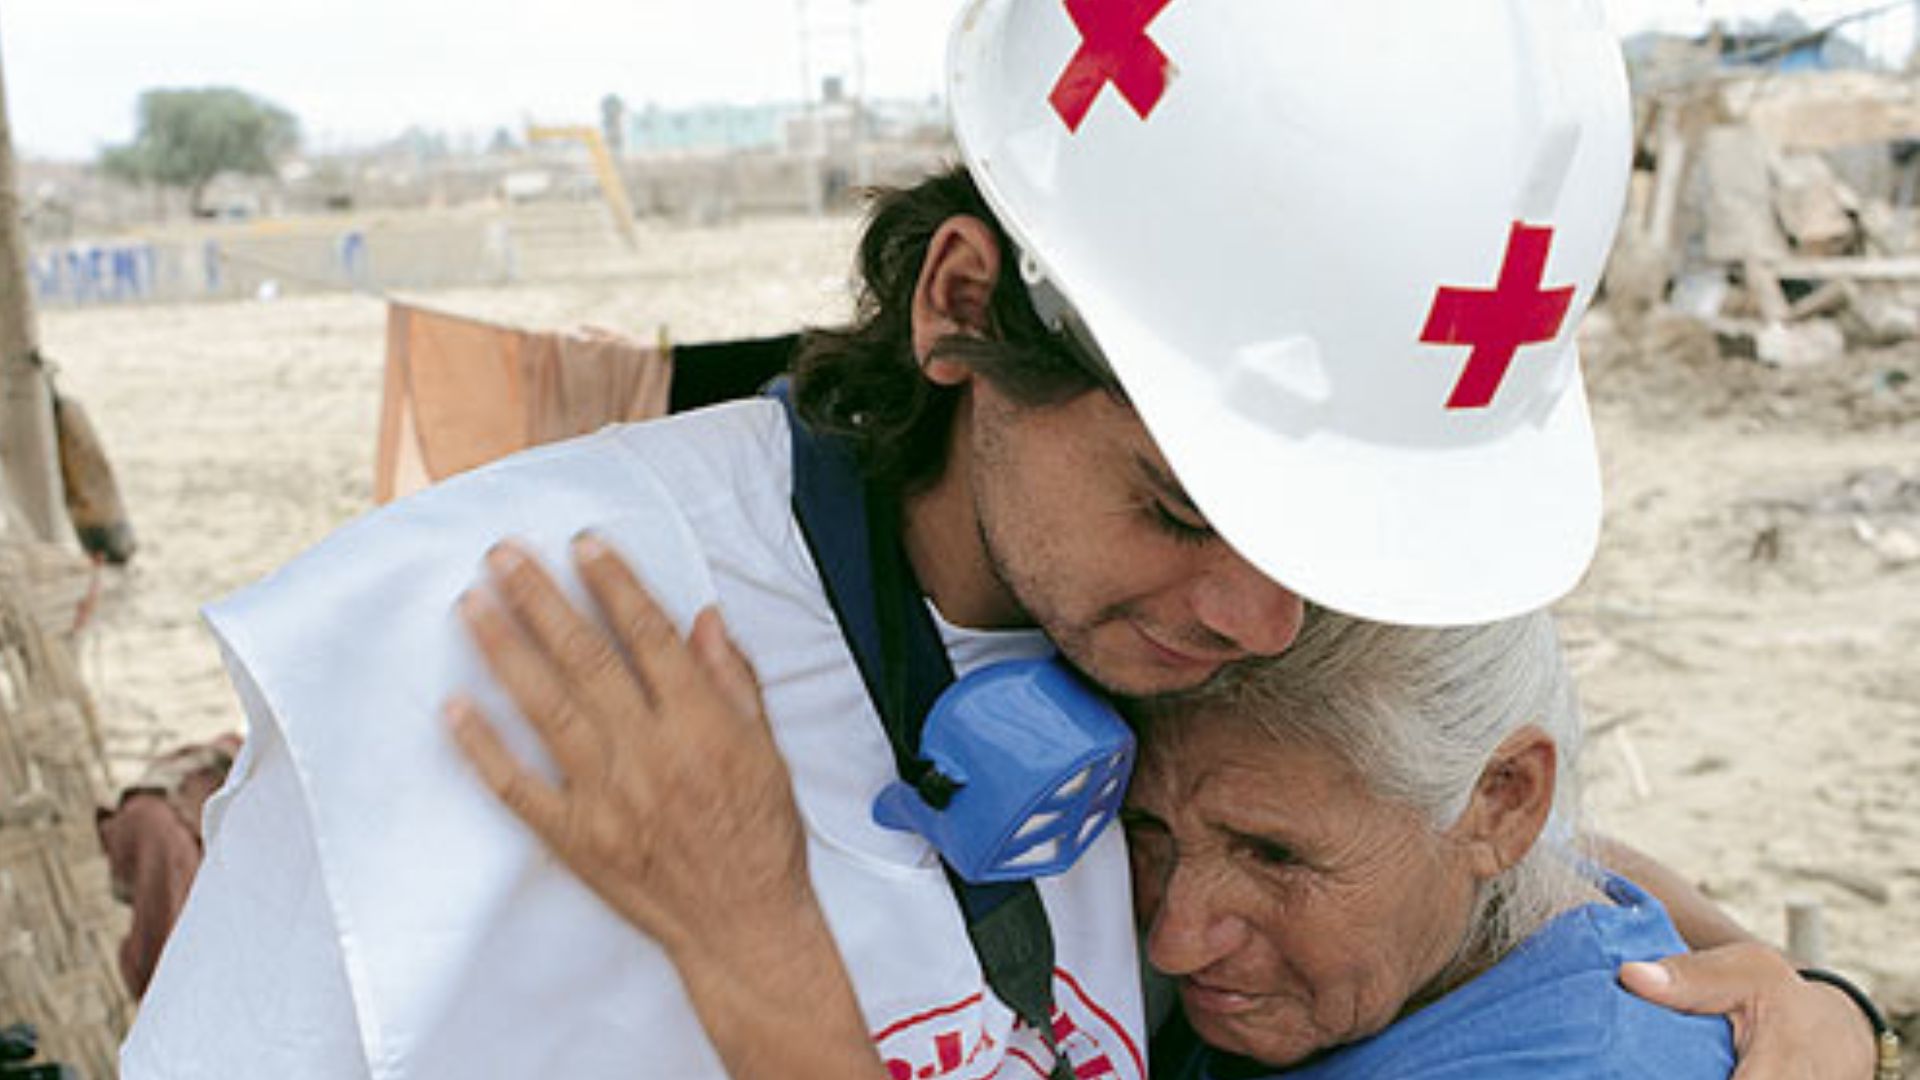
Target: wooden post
pixel 1768 298
pixel 1806 933
pixel 1671 166
pixel 28 460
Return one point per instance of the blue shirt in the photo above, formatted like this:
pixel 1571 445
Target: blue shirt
pixel 1552 1008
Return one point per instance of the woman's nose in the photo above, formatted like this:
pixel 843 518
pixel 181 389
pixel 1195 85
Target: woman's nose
pixel 1192 928
pixel 1242 605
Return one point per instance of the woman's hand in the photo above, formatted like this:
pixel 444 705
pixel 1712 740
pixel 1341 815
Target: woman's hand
pixel 1784 1027
pixel 672 793
pixel 673 804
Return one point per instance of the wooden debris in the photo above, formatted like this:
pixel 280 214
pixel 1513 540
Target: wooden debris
pixel 1671 170
pixel 1799 345
pixel 1873 318
pixel 1828 124
pixel 1739 206
pixel 1829 299
pixel 1806 933
pixel 1906 268
pixel 1811 205
pixel 1764 288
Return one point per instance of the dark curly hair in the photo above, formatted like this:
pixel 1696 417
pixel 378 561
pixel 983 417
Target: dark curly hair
pixel 861 381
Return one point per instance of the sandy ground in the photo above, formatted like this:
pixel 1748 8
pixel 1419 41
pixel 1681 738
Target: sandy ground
pixel 1749 640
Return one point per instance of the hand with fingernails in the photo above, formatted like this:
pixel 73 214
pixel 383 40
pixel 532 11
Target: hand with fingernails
pixel 672 804
pixel 1784 1027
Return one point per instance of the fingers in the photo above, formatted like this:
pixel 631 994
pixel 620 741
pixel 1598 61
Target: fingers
pixel 725 664
pixel 1714 982
pixel 643 629
pixel 533 683
pixel 1649 979
pixel 531 799
pixel 588 660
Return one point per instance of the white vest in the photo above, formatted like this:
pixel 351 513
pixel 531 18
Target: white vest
pixel 367 910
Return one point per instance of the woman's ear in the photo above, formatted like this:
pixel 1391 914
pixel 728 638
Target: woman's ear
pixel 1511 802
pixel 955 292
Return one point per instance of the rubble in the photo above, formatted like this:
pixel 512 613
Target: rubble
pixel 1799 345
pixel 1775 212
pixel 1739 196
pixel 1812 205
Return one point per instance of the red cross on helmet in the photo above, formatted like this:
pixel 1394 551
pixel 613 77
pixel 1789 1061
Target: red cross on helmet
pixel 1336 253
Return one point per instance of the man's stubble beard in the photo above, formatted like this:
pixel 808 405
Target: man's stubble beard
pixel 1072 640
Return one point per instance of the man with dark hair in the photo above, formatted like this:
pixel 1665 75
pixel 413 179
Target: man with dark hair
pixel 858 381
pixel 1134 383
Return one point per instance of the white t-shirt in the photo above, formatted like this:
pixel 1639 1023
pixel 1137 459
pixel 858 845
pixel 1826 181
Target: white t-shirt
pixel 366 909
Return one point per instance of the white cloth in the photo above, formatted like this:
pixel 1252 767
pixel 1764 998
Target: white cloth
pixel 368 911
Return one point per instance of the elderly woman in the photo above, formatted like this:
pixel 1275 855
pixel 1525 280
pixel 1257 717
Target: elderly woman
pixel 1356 863
pixel 1350 865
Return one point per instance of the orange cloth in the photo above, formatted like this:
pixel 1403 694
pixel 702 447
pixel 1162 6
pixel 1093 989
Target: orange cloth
pixel 461 392
pixel 582 382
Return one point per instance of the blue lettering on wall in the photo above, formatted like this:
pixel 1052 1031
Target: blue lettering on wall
pixel 353 258
pixel 95 273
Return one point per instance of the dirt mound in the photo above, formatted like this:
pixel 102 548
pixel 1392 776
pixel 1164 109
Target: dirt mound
pixel 1672 369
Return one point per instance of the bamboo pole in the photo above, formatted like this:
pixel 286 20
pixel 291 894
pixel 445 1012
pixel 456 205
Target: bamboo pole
pixel 28 447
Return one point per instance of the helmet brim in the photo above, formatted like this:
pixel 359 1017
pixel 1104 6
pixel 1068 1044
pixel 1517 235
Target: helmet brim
pixel 1402 534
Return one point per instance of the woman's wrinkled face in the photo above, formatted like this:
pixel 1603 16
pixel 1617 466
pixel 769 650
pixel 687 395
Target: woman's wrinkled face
pixel 1297 910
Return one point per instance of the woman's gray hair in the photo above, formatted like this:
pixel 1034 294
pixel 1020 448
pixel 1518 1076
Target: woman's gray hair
pixel 1418 713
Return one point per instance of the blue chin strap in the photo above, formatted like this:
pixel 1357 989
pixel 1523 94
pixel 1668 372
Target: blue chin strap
pixel 1024 768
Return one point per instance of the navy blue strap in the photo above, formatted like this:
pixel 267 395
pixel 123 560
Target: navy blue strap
pixel 853 533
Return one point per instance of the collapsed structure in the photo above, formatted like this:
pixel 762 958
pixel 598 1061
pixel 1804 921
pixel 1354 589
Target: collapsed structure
pixel 1774 208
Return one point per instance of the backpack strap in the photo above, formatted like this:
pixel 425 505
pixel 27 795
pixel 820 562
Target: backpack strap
pixel 852 530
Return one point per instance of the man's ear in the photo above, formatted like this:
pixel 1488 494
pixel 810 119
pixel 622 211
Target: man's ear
pixel 1511 802
pixel 955 292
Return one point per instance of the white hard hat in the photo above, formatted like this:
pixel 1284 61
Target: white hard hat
pixel 1335 254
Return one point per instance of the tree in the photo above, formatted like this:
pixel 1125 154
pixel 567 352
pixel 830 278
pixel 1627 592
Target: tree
pixel 187 137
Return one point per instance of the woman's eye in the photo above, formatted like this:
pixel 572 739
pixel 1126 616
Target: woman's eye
pixel 1270 852
pixel 1180 529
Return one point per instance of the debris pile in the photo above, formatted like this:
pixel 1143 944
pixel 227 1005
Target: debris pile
pixel 1771 221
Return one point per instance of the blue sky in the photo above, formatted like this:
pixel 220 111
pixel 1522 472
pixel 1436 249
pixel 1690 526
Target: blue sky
pixel 359 70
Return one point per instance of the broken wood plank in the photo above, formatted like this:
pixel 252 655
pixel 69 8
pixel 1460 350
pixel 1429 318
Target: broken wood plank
pixel 1829 125
pixel 1829 299
pixel 1903 268
pixel 1671 169
pixel 1739 208
pixel 1764 287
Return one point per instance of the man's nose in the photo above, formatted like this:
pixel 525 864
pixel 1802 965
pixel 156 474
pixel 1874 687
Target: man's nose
pixel 1192 928
pixel 1243 605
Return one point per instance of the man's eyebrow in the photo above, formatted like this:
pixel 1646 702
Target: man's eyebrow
pixel 1167 485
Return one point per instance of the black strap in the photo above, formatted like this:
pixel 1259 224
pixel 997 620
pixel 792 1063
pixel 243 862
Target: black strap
pixel 853 532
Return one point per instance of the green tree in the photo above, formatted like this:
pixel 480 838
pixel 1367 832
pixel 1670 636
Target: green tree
pixel 187 137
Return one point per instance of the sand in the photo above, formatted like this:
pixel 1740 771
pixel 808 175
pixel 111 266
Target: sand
pixel 1748 641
